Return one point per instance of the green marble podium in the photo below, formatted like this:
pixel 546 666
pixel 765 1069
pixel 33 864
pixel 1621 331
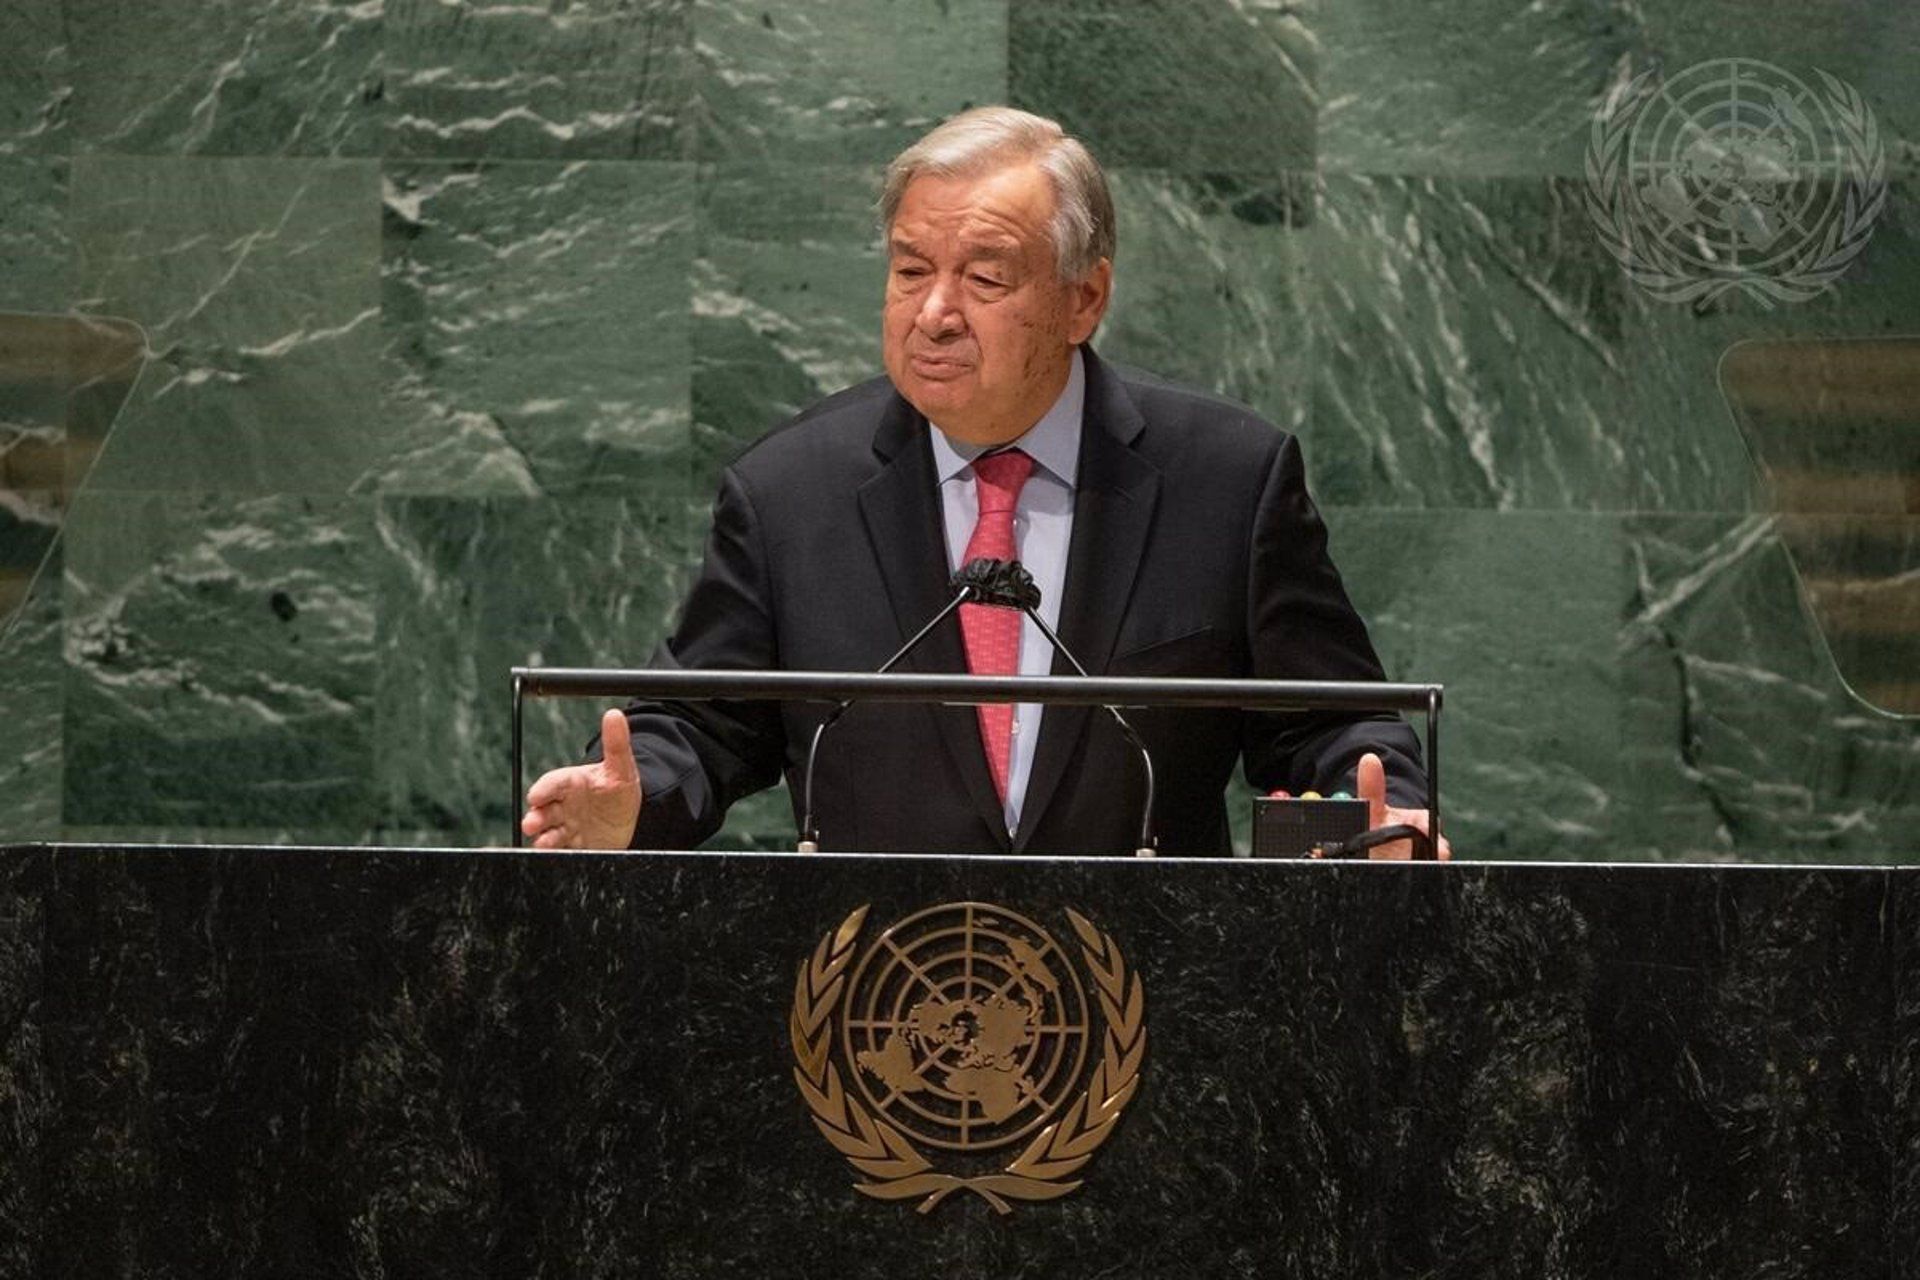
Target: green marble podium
pixel 362 1062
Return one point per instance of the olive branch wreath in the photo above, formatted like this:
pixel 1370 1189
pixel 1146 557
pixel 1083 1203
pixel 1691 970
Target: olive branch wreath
pixel 897 1171
pixel 1654 266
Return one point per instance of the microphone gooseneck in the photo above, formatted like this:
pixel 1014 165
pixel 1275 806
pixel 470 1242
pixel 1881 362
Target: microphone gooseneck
pixel 809 829
pixel 1149 845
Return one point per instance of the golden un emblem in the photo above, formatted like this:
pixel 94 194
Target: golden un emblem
pixel 962 1032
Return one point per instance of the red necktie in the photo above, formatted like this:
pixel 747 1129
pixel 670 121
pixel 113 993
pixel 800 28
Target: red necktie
pixel 992 633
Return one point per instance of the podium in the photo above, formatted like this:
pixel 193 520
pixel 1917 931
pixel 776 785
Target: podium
pixel 357 1062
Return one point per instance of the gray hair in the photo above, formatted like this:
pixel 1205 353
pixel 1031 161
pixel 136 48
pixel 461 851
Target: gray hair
pixel 982 139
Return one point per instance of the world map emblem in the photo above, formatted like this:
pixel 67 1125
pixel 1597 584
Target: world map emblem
pixel 1734 174
pixel 965 1049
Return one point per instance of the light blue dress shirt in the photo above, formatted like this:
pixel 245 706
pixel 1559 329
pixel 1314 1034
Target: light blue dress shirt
pixel 1042 531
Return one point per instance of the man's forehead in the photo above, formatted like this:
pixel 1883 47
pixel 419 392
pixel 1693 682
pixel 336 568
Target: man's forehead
pixel 987 243
pixel 1006 204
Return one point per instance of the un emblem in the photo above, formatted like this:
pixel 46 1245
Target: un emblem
pixel 966 1031
pixel 1734 174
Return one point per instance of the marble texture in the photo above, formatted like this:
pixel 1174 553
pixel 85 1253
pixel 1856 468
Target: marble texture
pixel 255 280
pixel 227 77
pixel 841 80
pixel 786 295
pixel 1473 345
pixel 36 251
pixel 536 325
pixel 1902 1123
pixel 1211 285
pixel 32 697
pixel 467 589
pixel 1688 453
pixel 63 380
pixel 1195 85
pixel 449 283
pixel 26 1094
pixel 33 438
pixel 1856 574
pixel 1489 88
pixel 219 662
pixel 585 79
pixel 308 1061
pixel 1523 607
pixel 29 527
pixel 1467 346
pixel 1740 734
pixel 36 86
pixel 1864 45
pixel 1485 88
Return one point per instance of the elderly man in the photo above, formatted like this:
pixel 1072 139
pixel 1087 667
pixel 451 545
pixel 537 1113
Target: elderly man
pixel 1170 533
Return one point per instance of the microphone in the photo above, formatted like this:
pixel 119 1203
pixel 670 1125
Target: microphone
pixel 1002 584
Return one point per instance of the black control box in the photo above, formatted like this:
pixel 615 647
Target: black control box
pixel 1290 828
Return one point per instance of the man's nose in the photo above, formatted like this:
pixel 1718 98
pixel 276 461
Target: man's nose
pixel 940 315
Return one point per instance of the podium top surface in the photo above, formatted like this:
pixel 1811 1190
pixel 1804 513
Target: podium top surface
pixel 1462 866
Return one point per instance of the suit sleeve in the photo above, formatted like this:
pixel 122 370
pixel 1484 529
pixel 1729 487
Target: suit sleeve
pixel 1302 626
pixel 697 758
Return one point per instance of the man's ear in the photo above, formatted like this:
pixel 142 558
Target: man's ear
pixel 1091 294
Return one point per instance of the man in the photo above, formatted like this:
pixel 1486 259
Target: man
pixel 1170 534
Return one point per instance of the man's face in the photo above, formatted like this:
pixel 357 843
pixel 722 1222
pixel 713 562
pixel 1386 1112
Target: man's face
pixel 979 328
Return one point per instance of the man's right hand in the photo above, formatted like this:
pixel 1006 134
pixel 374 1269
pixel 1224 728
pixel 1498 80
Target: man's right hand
pixel 588 806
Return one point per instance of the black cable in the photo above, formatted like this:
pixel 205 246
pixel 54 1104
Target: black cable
pixel 1358 846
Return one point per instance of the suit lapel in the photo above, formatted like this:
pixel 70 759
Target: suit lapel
pixel 1114 499
pixel 901 509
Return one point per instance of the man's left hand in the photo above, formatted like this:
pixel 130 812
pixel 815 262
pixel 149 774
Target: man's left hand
pixel 1372 785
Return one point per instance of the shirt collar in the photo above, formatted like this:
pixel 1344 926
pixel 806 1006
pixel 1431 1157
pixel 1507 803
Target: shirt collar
pixel 1053 442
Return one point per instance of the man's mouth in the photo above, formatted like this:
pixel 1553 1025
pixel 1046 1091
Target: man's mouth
pixel 938 366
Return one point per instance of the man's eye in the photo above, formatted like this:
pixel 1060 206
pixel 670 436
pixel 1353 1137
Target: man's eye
pixel 910 273
pixel 989 282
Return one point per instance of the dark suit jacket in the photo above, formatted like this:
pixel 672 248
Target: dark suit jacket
pixel 1195 551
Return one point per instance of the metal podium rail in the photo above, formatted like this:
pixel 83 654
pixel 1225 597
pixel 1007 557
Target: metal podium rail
pixel 971 690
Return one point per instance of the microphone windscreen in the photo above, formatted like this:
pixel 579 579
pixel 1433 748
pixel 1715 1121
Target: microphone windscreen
pixel 999 582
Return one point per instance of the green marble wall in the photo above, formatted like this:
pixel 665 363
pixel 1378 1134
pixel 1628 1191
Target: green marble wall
pixel 456 310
